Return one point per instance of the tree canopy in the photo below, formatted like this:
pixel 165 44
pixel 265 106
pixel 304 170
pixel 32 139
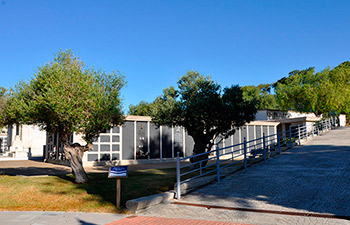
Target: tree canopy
pixel 317 92
pixel 65 97
pixel 141 109
pixel 261 96
pixel 203 108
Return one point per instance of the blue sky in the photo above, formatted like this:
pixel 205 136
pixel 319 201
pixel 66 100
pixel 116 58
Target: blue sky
pixel 155 42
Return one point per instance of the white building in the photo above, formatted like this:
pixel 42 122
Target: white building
pixel 25 142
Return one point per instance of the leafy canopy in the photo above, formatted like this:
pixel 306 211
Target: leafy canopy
pixel 141 109
pixel 3 100
pixel 261 95
pixel 205 109
pixel 66 97
pixel 320 93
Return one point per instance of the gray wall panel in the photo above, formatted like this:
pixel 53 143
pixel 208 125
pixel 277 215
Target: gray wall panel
pixel 251 132
pixel 178 140
pixel 258 135
pixel 189 145
pixel 128 140
pixel 272 131
pixel 236 139
pixel 228 141
pixel 243 133
pixel 166 142
pixel 265 130
pixel 141 140
pixel 154 142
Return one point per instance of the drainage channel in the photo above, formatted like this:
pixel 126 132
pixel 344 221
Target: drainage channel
pixel 320 215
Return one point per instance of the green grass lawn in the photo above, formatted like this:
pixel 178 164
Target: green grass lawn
pixel 60 193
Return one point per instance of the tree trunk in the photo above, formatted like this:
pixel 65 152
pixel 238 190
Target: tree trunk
pixel 200 146
pixel 74 153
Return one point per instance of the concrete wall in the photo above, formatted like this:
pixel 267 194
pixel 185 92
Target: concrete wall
pixel 26 140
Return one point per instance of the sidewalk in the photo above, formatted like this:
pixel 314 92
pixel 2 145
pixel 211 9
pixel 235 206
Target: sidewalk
pixel 57 218
pixel 76 218
pixel 142 220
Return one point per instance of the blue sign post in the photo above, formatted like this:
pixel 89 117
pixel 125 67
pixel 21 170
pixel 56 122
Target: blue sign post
pixel 118 172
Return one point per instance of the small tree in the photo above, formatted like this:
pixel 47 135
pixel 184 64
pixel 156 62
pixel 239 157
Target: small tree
pixel 141 109
pixel 65 97
pixel 203 109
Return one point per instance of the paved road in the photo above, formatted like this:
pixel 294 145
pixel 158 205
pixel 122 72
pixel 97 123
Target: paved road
pixel 313 178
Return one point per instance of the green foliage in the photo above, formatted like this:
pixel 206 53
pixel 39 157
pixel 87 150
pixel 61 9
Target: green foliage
pixel 205 109
pixel 3 100
pixel 141 109
pixel 66 97
pixel 261 96
pixel 340 79
pixel 320 93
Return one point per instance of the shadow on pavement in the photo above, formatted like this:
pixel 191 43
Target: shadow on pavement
pixel 313 178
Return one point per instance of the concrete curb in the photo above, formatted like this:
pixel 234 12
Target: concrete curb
pixel 137 204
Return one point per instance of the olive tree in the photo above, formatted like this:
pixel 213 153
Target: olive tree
pixel 66 97
pixel 204 109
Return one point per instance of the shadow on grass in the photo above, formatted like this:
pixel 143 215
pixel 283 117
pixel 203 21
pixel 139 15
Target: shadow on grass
pixel 33 171
pixel 138 184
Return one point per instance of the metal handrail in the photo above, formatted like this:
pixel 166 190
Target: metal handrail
pixel 266 143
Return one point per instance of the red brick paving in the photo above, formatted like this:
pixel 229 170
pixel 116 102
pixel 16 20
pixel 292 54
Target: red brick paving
pixel 143 220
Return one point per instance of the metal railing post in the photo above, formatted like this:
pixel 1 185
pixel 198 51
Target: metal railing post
pixel 290 138
pixel 299 134
pixel 264 146
pixel 306 133
pixel 279 142
pixel 178 178
pixel 217 163
pixel 245 153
